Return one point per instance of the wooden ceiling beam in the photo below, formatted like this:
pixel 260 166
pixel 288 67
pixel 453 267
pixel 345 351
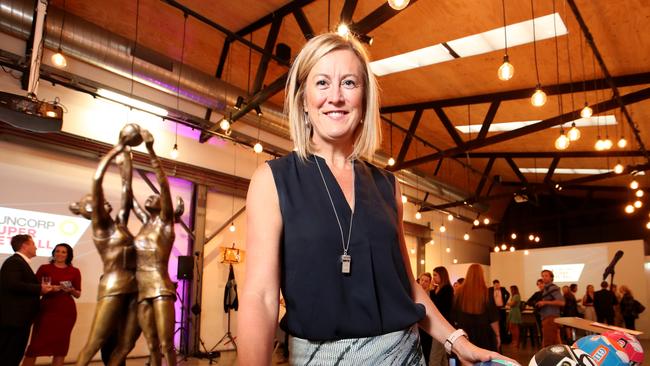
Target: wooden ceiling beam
pixel 348 10
pixel 489 117
pixel 280 13
pixel 630 169
pixel 551 154
pixel 608 76
pixel 303 23
pixel 484 177
pixel 271 38
pixel 629 98
pixel 551 170
pixel 576 187
pixel 449 127
pixel 566 88
pixel 376 18
pixel 409 136
pixel 515 169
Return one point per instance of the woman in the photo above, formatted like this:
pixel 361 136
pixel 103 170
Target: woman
pixel 475 312
pixel 514 317
pixel 327 228
pixel 629 309
pixel 58 313
pixel 425 339
pixel 588 303
pixel 443 298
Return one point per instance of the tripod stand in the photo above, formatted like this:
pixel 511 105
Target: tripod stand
pixel 196 310
pixel 227 338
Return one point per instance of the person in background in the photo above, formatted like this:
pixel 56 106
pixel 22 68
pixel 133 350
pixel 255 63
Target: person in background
pixel 514 317
pixel 549 309
pixel 425 280
pixel 458 283
pixel 19 299
pixel 326 227
pixel 500 297
pixel 618 317
pixel 58 312
pixel 532 302
pixel 574 290
pixel 588 303
pixel 475 312
pixel 570 309
pixel 604 301
pixel 443 298
pixel 629 307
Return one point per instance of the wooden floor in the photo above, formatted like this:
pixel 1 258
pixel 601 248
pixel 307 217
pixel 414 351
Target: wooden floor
pixel 522 355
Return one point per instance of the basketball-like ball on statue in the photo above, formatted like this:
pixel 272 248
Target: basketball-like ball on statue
pixel 629 343
pixel 603 351
pixel 496 362
pixel 561 355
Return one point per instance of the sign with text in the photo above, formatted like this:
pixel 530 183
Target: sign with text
pixel 47 229
pixel 565 272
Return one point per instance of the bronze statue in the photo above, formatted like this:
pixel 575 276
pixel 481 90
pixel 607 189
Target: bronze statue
pixel 153 245
pixel 116 304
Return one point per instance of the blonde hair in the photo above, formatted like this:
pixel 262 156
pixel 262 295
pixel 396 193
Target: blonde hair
pixel 368 139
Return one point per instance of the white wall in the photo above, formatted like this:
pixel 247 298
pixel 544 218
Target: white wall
pixel 516 268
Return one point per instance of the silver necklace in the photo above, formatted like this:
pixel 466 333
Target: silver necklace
pixel 346 259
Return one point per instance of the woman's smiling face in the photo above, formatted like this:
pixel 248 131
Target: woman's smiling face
pixel 334 97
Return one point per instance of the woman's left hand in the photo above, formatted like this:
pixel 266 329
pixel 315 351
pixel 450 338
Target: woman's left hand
pixel 469 354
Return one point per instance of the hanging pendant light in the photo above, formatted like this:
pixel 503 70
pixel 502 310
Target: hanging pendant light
pixel 513 236
pixel 607 143
pixel 562 142
pixel 506 70
pixel 574 133
pixel 59 60
pixel 224 124
pixel 476 222
pixel 634 184
pixel 418 215
pixel 404 199
pixel 398 4
pixel 531 237
pixel 639 193
pixel 618 168
pixel 599 144
pixel 629 209
pixel 391 161
pixel 466 236
pixel 537 239
pixel 258 148
pixel 638 203
pixel 586 111
pixel 497 249
pixel 622 142
pixel 486 221
pixel 512 248
pixel 174 153
pixel 232 227
pixel 343 30
pixel 538 98
pixel 504 246
pixel 450 217
pixel 443 228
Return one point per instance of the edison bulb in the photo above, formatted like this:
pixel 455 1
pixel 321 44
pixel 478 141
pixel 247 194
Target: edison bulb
pixel 232 227
pixel 450 217
pixel 504 247
pixel 448 250
pixel 455 260
pixel 224 124
pixel 404 199
pixel 618 168
pixel 586 112
pixel 512 249
pixel 398 4
pixel 59 60
pixel 506 70
pixel 418 215
pixel 526 252
pixel 599 146
pixel 629 209
pixel 486 221
pixel 538 98
pixel 513 236
pixel 574 133
pixel 562 142
pixel 638 203
pixel 537 239
pixel 343 30
pixel 639 193
pixel 647 225
pixel 443 229
pixel 391 161
pixel 496 247
pixel 258 148
pixel 174 153
pixel 466 236
pixel 607 144
pixel 622 143
pixel 531 237
pixel 476 222
pixel 634 184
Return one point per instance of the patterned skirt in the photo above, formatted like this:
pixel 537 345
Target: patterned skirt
pixel 396 348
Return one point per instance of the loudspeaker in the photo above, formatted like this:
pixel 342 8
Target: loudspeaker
pixel 185 267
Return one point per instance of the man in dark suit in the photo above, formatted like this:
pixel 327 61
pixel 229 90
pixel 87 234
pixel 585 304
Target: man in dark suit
pixel 500 297
pixel 604 301
pixel 20 292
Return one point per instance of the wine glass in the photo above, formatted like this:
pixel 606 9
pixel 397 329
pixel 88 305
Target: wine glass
pixel 46 280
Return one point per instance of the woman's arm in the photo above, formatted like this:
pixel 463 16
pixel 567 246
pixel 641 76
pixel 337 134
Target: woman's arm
pixel 258 314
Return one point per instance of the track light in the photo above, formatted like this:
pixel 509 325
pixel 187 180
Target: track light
pixel 224 124
pixel 239 103
pixel 258 110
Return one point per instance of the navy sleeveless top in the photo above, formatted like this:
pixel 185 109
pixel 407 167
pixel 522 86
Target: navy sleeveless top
pixel 323 303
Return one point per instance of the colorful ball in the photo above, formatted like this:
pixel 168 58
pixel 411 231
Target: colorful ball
pixel 603 351
pixel 629 343
pixel 496 362
pixel 561 355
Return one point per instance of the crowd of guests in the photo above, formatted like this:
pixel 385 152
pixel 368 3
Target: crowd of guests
pixel 44 299
pixel 493 316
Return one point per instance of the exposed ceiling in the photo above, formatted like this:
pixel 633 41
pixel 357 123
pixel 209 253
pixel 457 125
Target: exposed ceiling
pixel 424 104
